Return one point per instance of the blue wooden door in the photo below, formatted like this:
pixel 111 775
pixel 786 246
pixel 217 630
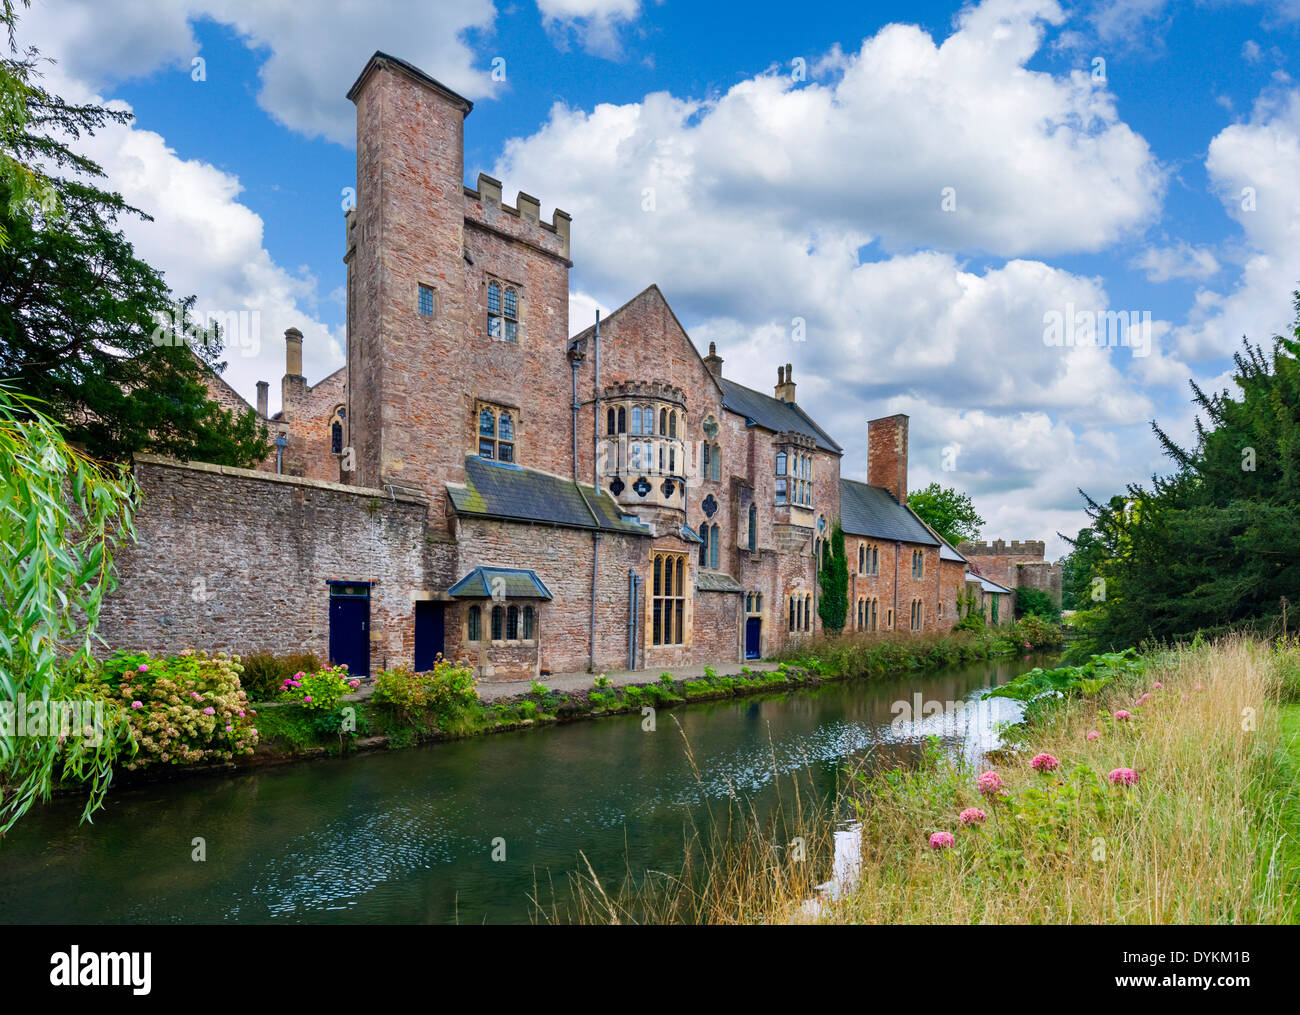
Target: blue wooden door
pixel 753 636
pixel 428 634
pixel 350 633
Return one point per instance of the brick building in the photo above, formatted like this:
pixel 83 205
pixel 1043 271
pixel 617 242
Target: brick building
pixel 480 482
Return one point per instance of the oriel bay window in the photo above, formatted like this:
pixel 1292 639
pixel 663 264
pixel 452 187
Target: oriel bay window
pixel 668 598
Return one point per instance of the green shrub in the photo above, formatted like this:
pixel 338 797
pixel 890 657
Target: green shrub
pixel 319 690
pixel 1036 603
pixel 181 710
pixel 447 692
pixel 264 674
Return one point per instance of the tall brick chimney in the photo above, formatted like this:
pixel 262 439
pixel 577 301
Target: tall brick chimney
pixel 887 455
pixel 785 383
pixel 293 352
pixel 263 399
pixel 713 361
pixel 293 386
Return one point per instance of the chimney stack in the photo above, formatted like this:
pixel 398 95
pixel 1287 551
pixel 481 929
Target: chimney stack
pixel 713 361
pixel 293 352
pixel 887 455
pixel 263 399
pixel 785 383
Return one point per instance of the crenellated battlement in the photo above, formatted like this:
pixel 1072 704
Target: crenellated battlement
pixel 521 221
pixel 1000 547
pixel 646 389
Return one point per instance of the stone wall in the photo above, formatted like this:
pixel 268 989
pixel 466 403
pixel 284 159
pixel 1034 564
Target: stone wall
pixel 237 560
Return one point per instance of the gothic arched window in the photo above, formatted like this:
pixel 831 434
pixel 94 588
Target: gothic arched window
pixel 713 548
pixel 498 616
pixel 474 624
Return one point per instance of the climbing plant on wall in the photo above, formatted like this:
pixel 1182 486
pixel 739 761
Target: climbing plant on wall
pixel 834 580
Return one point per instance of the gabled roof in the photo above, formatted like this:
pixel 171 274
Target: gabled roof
pixel 773 414
pixel 496 490
pixel 946 550
pixel 515 583
pixel 872 511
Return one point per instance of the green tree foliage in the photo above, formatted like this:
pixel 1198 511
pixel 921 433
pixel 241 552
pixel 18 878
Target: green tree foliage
pixel 61 515
pixel 1078 568
pixel 1214 544
pixel 79 312
pixel 949 513
pixel 833 606
pixel 1036 603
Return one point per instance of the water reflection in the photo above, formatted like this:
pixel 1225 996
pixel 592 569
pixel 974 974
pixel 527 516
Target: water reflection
pixel 408 836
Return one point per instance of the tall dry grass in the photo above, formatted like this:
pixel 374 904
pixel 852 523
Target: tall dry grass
pixel 1199 839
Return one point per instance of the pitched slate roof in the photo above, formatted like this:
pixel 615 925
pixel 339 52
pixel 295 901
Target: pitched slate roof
pixel 716 581
pixel 872 511
pixel 990 586
pixel 518 584
pixel 495 490
pixel 773 414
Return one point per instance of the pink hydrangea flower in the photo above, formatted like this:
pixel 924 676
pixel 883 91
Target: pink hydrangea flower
pixel 209 711
pixel 1092 735
pixel 142 668
pixel 137 704
pixel 254 732
pixel 1123 716
pixel 306 697
pixel 1143 700
pixel 1157 685
pixel 989 783
pixel 1123 777
pixel 973 816
pixel 941 840
pixel 354 684
pixel 241 715
pixel 1027 645
pixel 1044 763
pixel 229 728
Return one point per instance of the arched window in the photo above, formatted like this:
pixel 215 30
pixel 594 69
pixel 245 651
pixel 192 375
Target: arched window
pixel 753 528
pixel 713 548
pixel 672 424
pixel 611 422
pixel 807 611
pixel 511 309
pixel 528 623
pixel 512 623
pixel 792 613
pixel 663 457
pixel 663 421
pixel 672 461
pixel 494 310
pixel 704 546
pixel 474 624
pixel 859 614
pixel 704 469
pixel 636 419
pixel 506 438
pixel 780 463
pixel 622 420
pixel 498 616
pixel 336 437
pixel 717 463
pixel 487 424
pixel 798 613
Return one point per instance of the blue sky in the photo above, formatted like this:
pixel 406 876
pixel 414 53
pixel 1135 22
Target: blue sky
pixel 778 198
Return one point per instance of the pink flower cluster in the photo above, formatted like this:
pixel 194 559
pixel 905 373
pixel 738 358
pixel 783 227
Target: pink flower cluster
pixel 942 840
pixel 1123 716
pixel 1092 735
pixel 989 783
pixel 1123 777
pixel 973 816
pixel 1044 763
pixel 1144 699
pixel 295 681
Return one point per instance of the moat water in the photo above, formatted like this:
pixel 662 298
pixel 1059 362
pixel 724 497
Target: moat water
pixel 409 836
